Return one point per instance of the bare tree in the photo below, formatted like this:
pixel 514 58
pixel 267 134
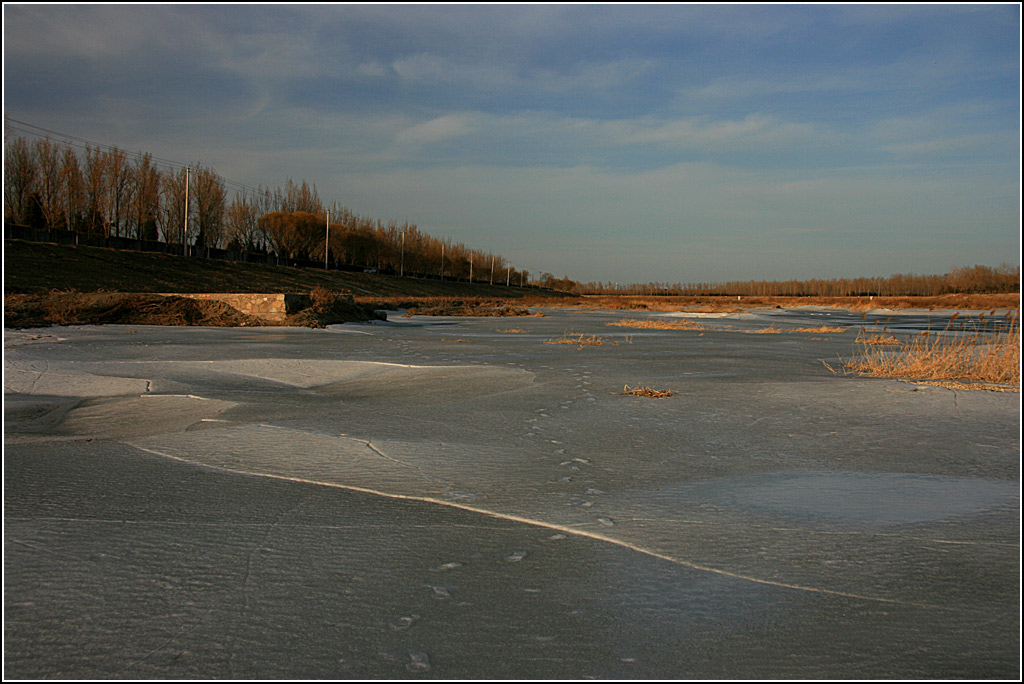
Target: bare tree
pixel 48 158
pixel 301 198
pixel 95 178
pixel 207 189
pixel 21 177
pixel 241 222
pixel 145 204
pixel 72 190
pixel 172 206
pixel 118 189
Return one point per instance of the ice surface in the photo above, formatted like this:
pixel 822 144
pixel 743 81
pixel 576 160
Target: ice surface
pixel 442 497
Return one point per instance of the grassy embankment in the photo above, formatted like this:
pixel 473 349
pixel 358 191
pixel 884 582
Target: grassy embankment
pixel 32 267
pixel 48 284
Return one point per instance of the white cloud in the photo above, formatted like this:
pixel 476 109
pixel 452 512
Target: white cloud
pixel 426 68
pixel 754 130
pixel 436 130
pixel 591 75
pixel 939 145
pixel 372 69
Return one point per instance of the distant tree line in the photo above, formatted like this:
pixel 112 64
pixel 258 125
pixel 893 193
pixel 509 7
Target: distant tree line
pixel 105 192
pixel 967 280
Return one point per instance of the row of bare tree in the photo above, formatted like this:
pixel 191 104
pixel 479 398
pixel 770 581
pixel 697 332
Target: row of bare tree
pixel 104 192
pixel 390 247
pixel 967 280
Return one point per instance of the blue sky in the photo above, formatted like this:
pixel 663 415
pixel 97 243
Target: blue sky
pixel 627 143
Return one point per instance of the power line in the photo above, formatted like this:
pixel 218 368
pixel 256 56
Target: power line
pixel 83 143
pixel 69 138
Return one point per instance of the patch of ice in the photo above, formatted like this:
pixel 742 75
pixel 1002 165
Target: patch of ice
pixel 132 417
pixel 61 382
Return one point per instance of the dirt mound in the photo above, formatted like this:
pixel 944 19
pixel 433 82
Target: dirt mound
pixel 327 307
pixel 98 308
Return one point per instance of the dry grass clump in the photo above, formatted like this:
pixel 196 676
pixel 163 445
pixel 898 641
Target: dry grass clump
pixel 879 339
pixel 659 325
pixel 971 360
pixel 645 391
pixel 820 329
pixel 772 330
pixel 514 331
pixel 577 339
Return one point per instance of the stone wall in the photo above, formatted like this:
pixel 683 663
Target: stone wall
pixel 272 307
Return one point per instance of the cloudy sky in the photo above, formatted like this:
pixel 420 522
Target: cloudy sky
pixel 627 143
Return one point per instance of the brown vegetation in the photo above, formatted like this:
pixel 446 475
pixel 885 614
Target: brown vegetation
pixel 471 307
pixel 879 339
pixel 658 325
pixel 967 280
pixel 577 339
pixel 973 361
pixel 772 330
pixel 645 391
pixel 820 329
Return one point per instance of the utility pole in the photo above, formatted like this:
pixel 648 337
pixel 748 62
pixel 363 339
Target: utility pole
pixel 327 240
pixel 442 261
pixel 492 269
pixel 508 276
pixel 184 246
pixel 401 268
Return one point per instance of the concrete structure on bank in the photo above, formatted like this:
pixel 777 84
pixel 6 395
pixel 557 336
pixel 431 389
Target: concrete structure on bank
pixel 272 307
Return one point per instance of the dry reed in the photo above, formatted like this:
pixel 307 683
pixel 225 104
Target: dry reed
pixel 658 325
pixel 877 339
pixel 820 329
pixel 645 391
pixel 772 330
pixel 971 360
pixel 578 339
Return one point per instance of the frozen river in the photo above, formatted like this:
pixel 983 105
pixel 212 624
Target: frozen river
pixel 456 498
